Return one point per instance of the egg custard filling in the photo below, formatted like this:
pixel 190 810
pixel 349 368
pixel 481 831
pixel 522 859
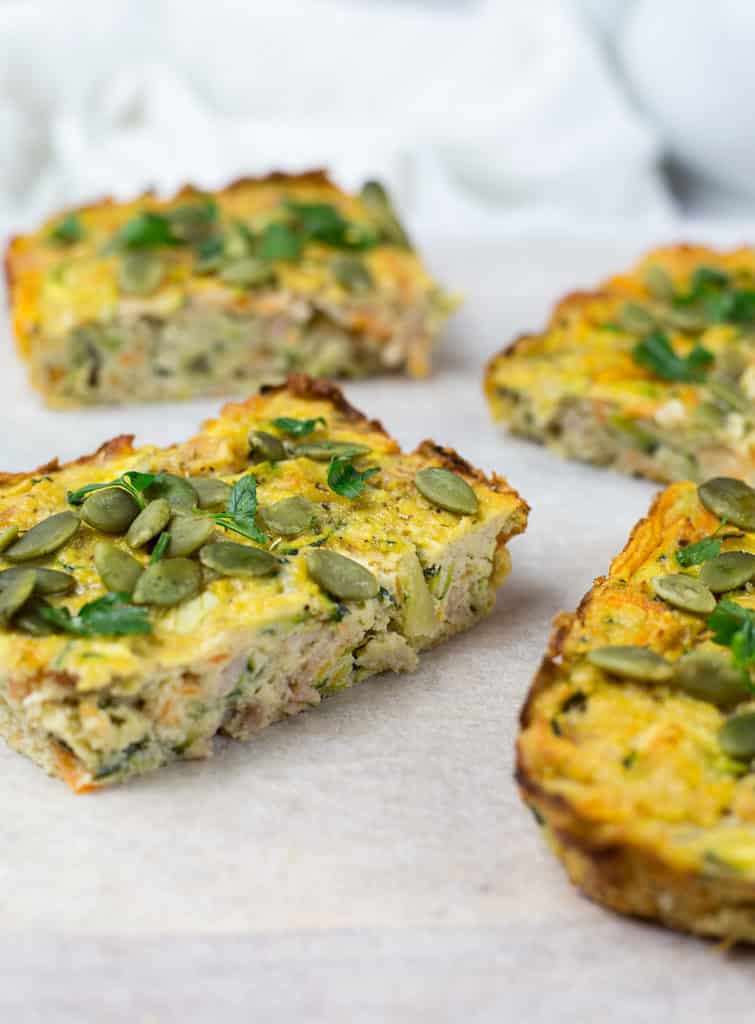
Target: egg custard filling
pixel 653 374
pixel 637 747
pixel 152 598
pixel 219 293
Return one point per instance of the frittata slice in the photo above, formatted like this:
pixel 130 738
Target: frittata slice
pixel 217 293
pixel 151 598
pixel 653 374
pixel 637 744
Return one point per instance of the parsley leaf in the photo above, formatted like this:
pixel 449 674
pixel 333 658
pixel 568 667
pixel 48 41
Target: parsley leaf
pixel 345 479
pixel 297 428
pixel 656 354
pixel 322 222
pixel 695 554
pixel 733 626
pixel 110 615
pixel 68 230
pixel 241 510
pixel 133 482
pixel 146 230
pixel 279 241
pixel 159 549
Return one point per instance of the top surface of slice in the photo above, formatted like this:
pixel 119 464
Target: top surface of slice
pixel 330 275
pixel 638 737
pixel 654 373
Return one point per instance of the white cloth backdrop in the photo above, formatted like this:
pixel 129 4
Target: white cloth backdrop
pixel 482 116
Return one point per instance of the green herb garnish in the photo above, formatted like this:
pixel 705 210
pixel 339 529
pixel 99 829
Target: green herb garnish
pixel 241 510
pixel 345 479
pixel 656 354
pixel 297 428
pixel 279 241
pixel 110 615
pixel 68 230
pixel 322 222
pixel 159 549
pixel 146 230
pixel 733 626
pixel 133 482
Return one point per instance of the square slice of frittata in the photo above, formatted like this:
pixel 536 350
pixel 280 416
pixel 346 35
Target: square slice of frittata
pixel 653 374
pixel 218 293
pixel 151 598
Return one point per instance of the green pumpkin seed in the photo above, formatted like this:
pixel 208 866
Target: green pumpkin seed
pixel 168 582
pixel 178 492
pixel 15 592
pixel 264 447
pixel 140 272
pixel 340 576
pixel 211 491
pixel 231 559
pixel 352 274
pixel 48 581
pixel 324 451
pixel 375 197
pixel 117 569
pixel 729 499
pixel 192 222
pixel 636 319
pixel 682 318
pixel 289 517
pixel 728 571
pixel 247 272
pixel 658 283
pixel 28 619
pixel 7 535
pixel 152 520
pixel 684 592
pixel 44 538
pixel 737 736
pixel 711 677
pixel 447 490
pixel 111 510
pixel 632 662
pixel 188 534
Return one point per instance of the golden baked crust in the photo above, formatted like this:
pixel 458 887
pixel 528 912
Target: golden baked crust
pixel 216 293
pixel 628 778
pixel 612 378
pixel 239 652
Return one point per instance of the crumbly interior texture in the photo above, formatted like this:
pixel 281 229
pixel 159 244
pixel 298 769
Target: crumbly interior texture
pixel 200 327
pixel 244 652
pixel 578 387
pixel 628 779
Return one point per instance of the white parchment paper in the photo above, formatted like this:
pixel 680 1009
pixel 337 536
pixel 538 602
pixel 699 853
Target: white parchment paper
pixel 369 860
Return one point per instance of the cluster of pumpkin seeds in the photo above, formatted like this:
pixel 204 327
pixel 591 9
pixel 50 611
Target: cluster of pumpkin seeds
pixel 704 674
pixel 175 519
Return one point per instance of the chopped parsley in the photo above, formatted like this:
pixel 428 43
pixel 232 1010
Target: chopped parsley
pixel 733 626
pixel 345 479
pixel 110 615
pixel 655 353
pixel 240 511
pixel 68 230
pixel 297 428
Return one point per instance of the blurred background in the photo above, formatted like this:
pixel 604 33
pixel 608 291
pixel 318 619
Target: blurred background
pixel 486 116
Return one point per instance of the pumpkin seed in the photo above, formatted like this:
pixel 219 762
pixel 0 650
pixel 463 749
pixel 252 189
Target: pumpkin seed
pixel 658 283
pixel 117 569
pixel 728 571
pixel 636 319
pixel 324 451
pixel 44 538
pixel 178 492
pixel 632 662
pixel 264 447
pixel 737 736
pixel 684 592
pixel 729 499
pixel 15 592
pixel 231 559
pixel 48 581
pixel 111 510
pixel 340 576
pixel 711 677
pixel 28 619
pixel 375 197
pixel 352 274
pixel 246 273
pixel 188 534
pixel 140 272
pixel 152 519
pixel 289 517
pixel 211 491
pixel 7 535
pixel 168 582
pixel 447 490
pixel 682 319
